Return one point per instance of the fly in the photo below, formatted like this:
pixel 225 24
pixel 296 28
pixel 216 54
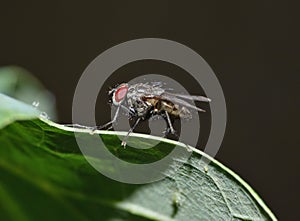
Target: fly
pixel 141 101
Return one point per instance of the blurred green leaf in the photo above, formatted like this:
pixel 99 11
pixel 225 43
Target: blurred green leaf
pixel 43 176
pixel 18 83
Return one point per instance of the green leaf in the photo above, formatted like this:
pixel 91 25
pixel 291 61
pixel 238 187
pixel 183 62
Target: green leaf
pixel 44 176
pixel 20 84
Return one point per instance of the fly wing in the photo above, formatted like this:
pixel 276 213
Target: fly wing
pixel 190 97
pixel 176 100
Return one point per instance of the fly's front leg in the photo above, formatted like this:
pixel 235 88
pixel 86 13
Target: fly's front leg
pixel 129 132
pixel 126 109
pixel 110 122
pixel 79 126
pixel 130 112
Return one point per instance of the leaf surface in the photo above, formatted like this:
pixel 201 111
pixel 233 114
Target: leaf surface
pixel 44 176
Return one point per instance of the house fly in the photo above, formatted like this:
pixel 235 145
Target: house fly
pixel 141 101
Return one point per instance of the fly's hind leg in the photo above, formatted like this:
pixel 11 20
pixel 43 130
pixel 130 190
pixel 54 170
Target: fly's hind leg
pixel 170 127
pixel 129 132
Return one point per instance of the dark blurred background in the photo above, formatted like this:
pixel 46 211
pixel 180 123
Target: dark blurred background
pixel 252 46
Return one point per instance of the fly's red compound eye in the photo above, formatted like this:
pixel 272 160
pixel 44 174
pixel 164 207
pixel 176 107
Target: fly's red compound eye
pixel 120 94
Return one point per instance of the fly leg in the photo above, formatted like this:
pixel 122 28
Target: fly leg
pixel 126 109
pixel 129 111
pixel 129 132
pixel 79 126
pixel 170 127
pixel 109 123
pixel 169 123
